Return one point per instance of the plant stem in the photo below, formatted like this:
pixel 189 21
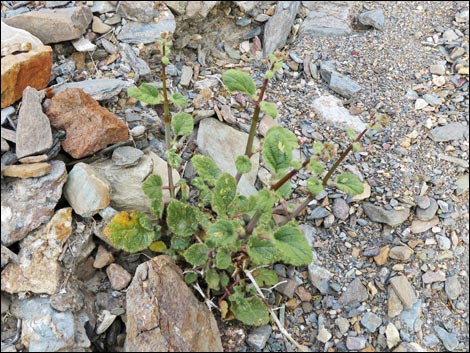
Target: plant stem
pixel 166 114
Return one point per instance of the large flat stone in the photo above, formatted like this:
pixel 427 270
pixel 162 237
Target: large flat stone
pixel 12 35
pixel 328 18
pixel 99 89
pixel 381 215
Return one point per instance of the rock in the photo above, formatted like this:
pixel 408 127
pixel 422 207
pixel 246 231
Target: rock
pixel 354 294
pixel 12 35
pixel 356 343
pixel 328 18
pixel 431 340
pixel 374 18
pixel 38 265
pixel 371 321
pixel 330 109
pixel 391 217
pixel 118 276
pixel 103 257
pixel 99 27
pixel 427 213
pixel 462 184
pixel 343 85
pixel 100 89
pixel 319 213
pixel 224 144
pixel 449 340
pixel 402 253
pixel 403 290
pixel 382 257
pixel 83 45
pixel 258 337
pixel 126 183
pixel 423 202
pixel 103 6
pixel 199 9
pixel 364 195
pixel 126 156
pixel 69 298
pixel 452 287
pixel 34 159
pixel 19 71
pixel 324 335
pixel 449 132
pixel 343 324
pixel 418 226
pixel 432 99
pixel 186 75
pixel 433 276
pixel 136 63
pixel 33 170
pixel 178 7
pixel 7 112
pixel 287 288
pixel 392 334
pixel 139 11
pixel 438 69
pixel 106 322
pixel 53 4
pixel 326 70
pixel 27 203
pixel 420 104
pixel 278 27
pixel 164 315
pixel 409 347
pixel 72 21
pixel 265 124
pixel 86 191
pixel 395 307
pixel 135 32
pixel 340 208
pixel 33 133
pixel 89 126
pixel 8 256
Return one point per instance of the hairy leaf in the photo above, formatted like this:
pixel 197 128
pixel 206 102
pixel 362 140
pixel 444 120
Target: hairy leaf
pixel 152 187
pixel 173 158
pixel 181 218
pixel 251 311
pixel 315 166
pixel 269 109
pixel 179 100
pixel 265 277
pixel 130 231
pixel 222 233
pixel 285 190
pixel 351 133
pixel 224 279
pixel 182 124
pixel 314 185
pixel 179 243
pixel 196 254
pixel 165 60
pixel 190 277
pixel 261 251
pixel 224 193
pixel 318 147
pixel 206 168
pixel 243 164
pixel 292 245
pixel 349 183
pixel 146 93
pixel 158 246
pixel 236 80
pixel 223 259
pixel 212 279
pixel 277 148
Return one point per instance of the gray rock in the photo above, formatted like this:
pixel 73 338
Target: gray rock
pixel 83 45
pixel 186 75
pixel 395 307
pixel 450 132
pixel 278 27
pixel 393 336
pixel 430 340
pixel 410 315
pixel 318 213
pixel 423 201
pixel 27 203
pixel 448 339
pixel 324 335
pixel 178 7
pixel 340 208
pixel 452 287
pixel 8 256
pixel 343 85
pixel 164 315
pixel 374 18
pixel 5 146
pixel 326 69
pixel 70 298
pixel 433 276
pixel 72 21
pixel 443 241
pixel 118 276
pixel 356 343
pixel 100 89
pixel 53 4
pixel 224 144
pixel 136 63
pixel 425 214
pixel 354 294
pixel 328 18
pixel 462 184
pixel 259 336
pixel 33 133
pixel 409 347
pixel 371 321
pixel 432 99
pixel 343 324
pixel 199 9
pixel 438 69
pixel 127 156
pixel 402 253
pixel 330 110
pixel 391 217
pixel 418 226
pixel 103 6
pixel 13 35
pixel 140 11
pixel 320 278
pixel 135 32
pixel 309 233
pixel 403 290
pixel 287 288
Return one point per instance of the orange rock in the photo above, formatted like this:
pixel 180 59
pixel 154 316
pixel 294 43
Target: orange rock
pixel 27 69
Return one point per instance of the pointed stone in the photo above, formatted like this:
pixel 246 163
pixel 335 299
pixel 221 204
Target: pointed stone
pixel 404 290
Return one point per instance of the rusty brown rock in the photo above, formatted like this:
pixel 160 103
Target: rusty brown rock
pixel 89 126
pixel 163 315
pixel 33 170
pixel 22 70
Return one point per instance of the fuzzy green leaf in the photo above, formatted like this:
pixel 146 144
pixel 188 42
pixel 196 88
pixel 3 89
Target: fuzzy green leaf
pixel 356 146
pixel 236 80
pixel 265 277
pixel 173 158
pixel 269 109
pixel 212 279
pixel 165 60
pixel 277 148
pixel 351 133
pixel 179 100
pixel 206 168
pixel 223 259
pixel 243 164
pixel 190 277
pixel 314 185
pixel 292 245
pixel 269 74
pixel 130 231
pixel 181 219
pixel 261 251
pixel 284 191
pixel 146 93
pixel 277 66
pixel 315 166
pixel 182 124
pixel 222 233
pixel 152 187
pixel 349 183
pixel 251 311
pixel 224 193
pixel 318 147
pixel 196 254
pixel 224 279
pixel 179 243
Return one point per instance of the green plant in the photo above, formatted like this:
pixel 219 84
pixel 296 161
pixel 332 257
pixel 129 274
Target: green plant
pixel 223 234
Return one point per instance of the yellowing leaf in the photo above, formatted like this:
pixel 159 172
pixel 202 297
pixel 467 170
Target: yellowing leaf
pixel 158 246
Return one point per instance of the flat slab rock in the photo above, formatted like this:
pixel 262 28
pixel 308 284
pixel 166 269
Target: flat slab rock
pixel 163 315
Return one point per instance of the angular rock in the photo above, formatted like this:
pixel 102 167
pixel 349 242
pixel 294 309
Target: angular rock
pixel 259 336
pixel 438 69
pixel 452 287
pixel 393 336
pixel 287 288
pixel 83 45
pixel 462 184
pixel 199 9
pixel 318 213
pixel 449 132
pixel 433 276
pixel 409 347
pixel 164 315
pixel 403 290
pixel 100 89
pixel 8 256
pixel 53 4
pixel 354 294
pixel 382 257
pixel 103 6
pixel 343 324
pixel 86 190
pixel 224 144
pixel 330 109
pixel 24 171
pixel 178 7
pixel 443 242
pixel 371 321
pixel 278 27
pixel 341 208
pixel 420 104
pixel 448 339
pixel 418 226
pixel 22 70
pixel 69 298
pixel 12 35
pixel 99 27
pixel 33 133
pixel 118 276
pixel 186 75
pixel 323 335
pixel 395 307
pixel 425 214
pixel 374 18
pixel 27 203
pixel 139 11
pixel 128 55
pixel 44 24
pixel 356 343
pixel 38 265
pixel 89 126
pixel 391 217
pixel 103 257
pixel 402 253
pixel 328 18
pixel 126 156
pixel 343 85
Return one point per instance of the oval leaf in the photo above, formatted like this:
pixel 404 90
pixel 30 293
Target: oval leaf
pixel 222 233
pixel 152 187
pixel 277 148
pixel 181 219
pixel 269 109
pixel 236 80
pixel 251 311
pixel 179 100
pixel 224 193
pixel 349 183
pixel 261 251
pixel 314 185
pixel 196 254
pixel 315 166
pixel 206 168
pixel 223 259
pixel 146 93
pixel 212 278
pixel 292 246
pixel 265 277
pixel 182 124
pixel 243 164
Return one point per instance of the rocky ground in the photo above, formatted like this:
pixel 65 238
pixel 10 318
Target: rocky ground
pixel 391 265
